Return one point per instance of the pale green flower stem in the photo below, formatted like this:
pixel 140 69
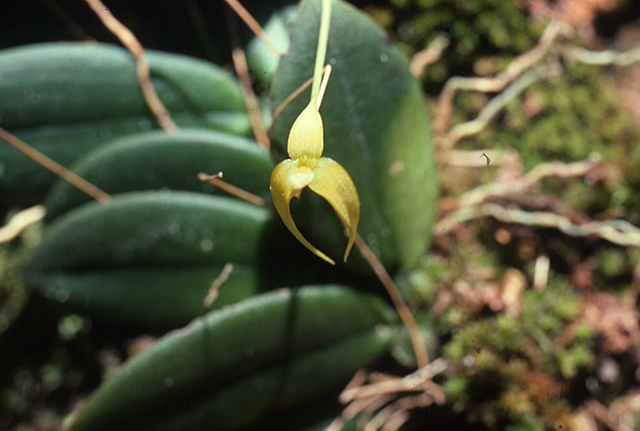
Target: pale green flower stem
pixel 321 53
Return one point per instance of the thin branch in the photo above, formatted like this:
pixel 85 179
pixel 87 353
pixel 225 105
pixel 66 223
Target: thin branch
pixel 393 416
pixel 421 59
pixel 617 231
pixel 55 167
pixel 20 221
pixel 290 99
pixel 212 295
pixel 490 110
pixel 602 58
pixel 242 70
pixel 494 84
pixel 359 407
pixel 404 384
pixel 419 347
pixel 254 26
pixel 520 185
pixel 130 42
pixel 364 400
pixel 236 191
pixel 396 420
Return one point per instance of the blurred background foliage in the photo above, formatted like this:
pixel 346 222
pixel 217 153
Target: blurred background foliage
pixel 548 359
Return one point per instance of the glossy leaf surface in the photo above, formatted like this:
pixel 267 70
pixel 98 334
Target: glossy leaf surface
pixel 65 99
pixel 229 367
pixel 374 126
pixel 160 160
pixel 151 257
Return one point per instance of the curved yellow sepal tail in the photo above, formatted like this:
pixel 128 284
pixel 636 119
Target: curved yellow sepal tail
pixel 324 176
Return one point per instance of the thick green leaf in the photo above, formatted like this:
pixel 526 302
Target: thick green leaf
pixel 226 369
pixel 151 257
pixel 63 83
pixel 158 298
pixel 262 61
pixel 375 126
pixel 67 98
pixel 160 160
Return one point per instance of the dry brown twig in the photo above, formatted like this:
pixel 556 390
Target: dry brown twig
pixel 216 180
pixel 472 206
pixel 54 167
pixel 242 70
pixel 386 397
pixel 617 231
pixel 494 84
pixel 254 26
pixel 25 218
pixel 427 56
pixel 404 384
pixel 20 221
pixel 361 408
pixel 517 77
pixel 419 347
pixel 528 181
pixel 130 42
pixel 602 58
pixel 212 295
pixel 491 109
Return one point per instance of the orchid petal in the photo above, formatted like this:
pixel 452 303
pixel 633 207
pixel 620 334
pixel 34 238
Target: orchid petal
pixel 285 185
pixel 306 138
pixel 332 182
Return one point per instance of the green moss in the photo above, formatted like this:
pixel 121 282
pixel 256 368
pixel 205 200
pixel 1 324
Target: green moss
pixel 457 386
pixel 421 283
pixel 612 262
pixel 475 30
pixel 571 360
pixel 526 423
pixel 520 360
pixel 579 114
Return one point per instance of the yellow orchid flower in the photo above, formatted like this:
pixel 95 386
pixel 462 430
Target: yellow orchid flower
pixel 324 176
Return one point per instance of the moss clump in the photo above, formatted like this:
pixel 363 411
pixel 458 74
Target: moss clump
pixel 491 28
pixel 578 114
pixel 516 370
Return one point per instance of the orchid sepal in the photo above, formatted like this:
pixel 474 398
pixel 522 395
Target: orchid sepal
pixel 322 175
